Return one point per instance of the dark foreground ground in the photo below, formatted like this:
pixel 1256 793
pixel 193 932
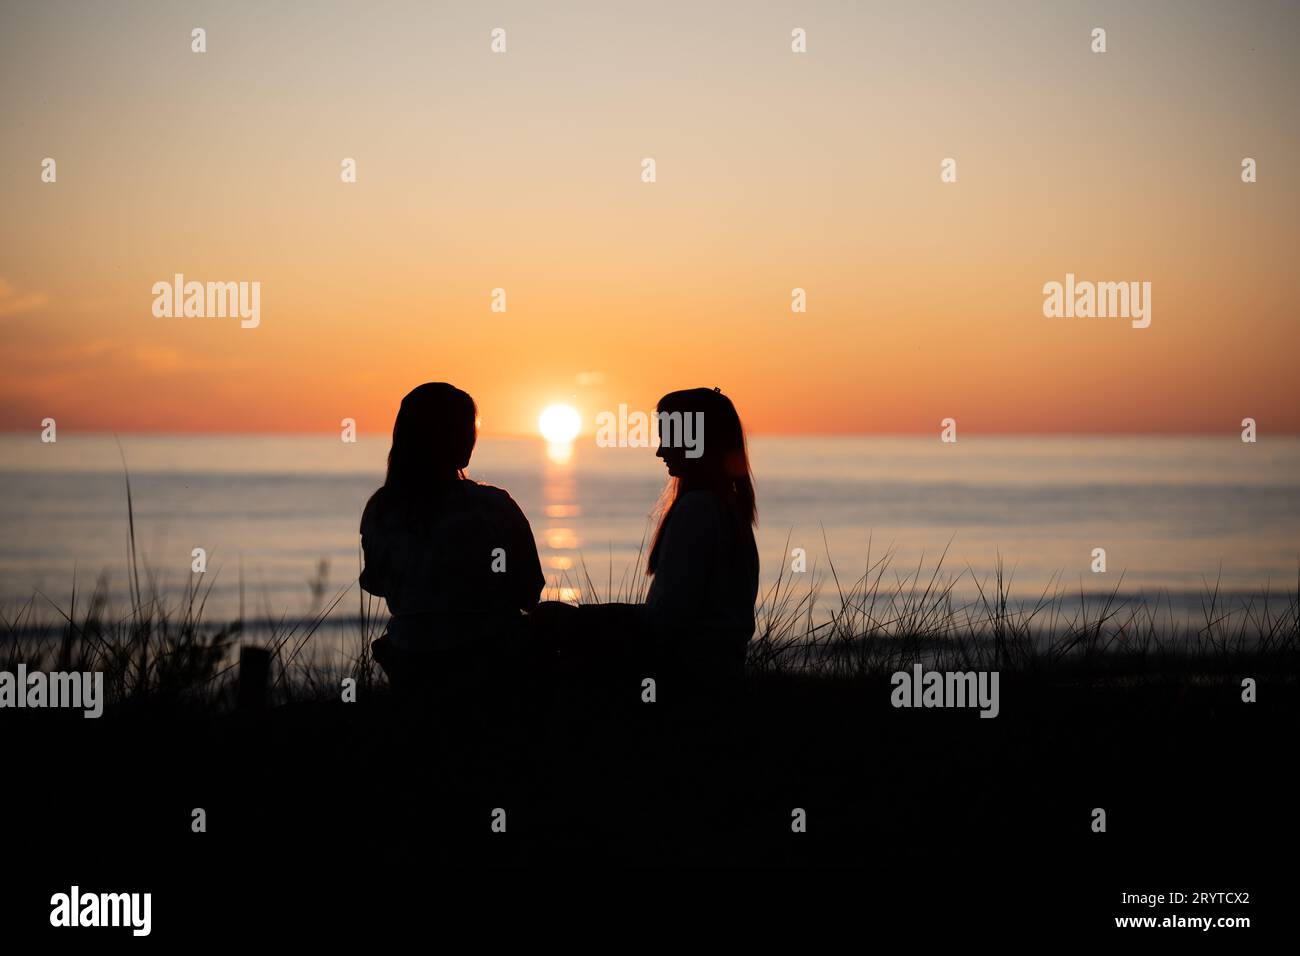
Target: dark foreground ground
pixel 334 819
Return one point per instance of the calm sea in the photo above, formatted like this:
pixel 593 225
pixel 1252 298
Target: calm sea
pixel 279 515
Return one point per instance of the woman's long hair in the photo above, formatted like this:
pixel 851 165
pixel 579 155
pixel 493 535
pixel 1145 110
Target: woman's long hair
pixel 723 466
pixel 433 438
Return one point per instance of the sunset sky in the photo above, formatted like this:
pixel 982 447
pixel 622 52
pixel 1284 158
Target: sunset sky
pixel 775 170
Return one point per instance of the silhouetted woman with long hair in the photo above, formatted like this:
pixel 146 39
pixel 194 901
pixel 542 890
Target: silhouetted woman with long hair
pixel 455 559
pixel 698 615
pixel 704 562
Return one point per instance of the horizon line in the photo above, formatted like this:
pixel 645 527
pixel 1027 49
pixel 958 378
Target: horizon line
pixel 290 433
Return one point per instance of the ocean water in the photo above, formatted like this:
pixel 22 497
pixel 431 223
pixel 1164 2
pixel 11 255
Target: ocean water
pixel 1171 513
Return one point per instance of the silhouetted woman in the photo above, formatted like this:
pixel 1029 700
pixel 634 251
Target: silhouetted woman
pixel 699 611
pixel 455 559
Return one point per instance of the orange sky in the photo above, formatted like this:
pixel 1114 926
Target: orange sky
pixel 775 170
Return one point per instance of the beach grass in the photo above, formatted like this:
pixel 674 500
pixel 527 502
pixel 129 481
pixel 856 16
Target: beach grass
pixel 1107 700
pixel 885 620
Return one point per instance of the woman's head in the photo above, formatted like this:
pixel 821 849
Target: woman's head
pixel 702 443
pixel 433 437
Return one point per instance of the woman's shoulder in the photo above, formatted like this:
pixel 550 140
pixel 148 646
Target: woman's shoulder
pixel 489 497
pixel 483 491
pixel 466 498
pixel 374 509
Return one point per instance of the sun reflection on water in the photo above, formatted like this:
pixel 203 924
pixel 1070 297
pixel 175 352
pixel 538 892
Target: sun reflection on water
pixel 560 493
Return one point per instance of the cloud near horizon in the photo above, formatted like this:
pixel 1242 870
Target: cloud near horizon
pixel 12 302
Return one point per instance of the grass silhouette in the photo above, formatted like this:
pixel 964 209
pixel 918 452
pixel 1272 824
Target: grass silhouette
pixel 1108 701
pixel 165 650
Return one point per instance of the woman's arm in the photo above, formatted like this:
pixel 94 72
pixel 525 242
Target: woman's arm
pixel 525 567
pixel 370 578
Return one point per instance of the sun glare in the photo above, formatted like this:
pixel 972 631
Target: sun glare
pixel 559 424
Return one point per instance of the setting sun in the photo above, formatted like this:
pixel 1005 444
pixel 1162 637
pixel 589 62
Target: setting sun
pixel 559 424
